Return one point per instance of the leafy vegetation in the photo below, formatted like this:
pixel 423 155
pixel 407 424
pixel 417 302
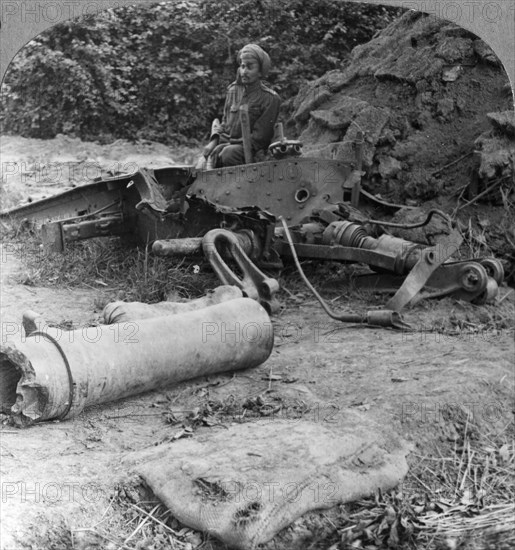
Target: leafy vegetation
pixel 160 72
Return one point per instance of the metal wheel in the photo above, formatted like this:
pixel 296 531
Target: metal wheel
pixel 473 278
pixel 494 269
pixel 490 293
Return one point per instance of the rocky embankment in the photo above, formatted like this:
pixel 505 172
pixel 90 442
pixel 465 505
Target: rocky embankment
pixel 424 93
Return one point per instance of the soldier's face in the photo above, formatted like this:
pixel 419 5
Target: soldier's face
pixel 250 70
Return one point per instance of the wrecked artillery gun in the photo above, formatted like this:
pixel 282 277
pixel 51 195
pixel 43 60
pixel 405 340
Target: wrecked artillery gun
pixel 261 214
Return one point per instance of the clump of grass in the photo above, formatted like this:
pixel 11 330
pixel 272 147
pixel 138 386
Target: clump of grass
pixel 464 319
pixel 459 499
pixel 127 272
pixel 473 506
pixel 134 520
pixel 333 280
pixel 490 232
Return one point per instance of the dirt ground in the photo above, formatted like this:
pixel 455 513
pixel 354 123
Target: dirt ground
pixel 70 477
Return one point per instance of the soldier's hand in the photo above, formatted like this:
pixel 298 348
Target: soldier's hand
pixel 216 127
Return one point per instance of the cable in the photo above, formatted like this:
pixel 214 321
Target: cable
pixel 383 318
pixel 349 318
pixel 430 214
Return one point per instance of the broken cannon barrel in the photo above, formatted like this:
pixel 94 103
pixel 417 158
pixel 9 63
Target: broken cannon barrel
pixel 53 374
pixel 189 246
pixel 118 312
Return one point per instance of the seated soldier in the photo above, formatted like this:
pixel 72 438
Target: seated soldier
pixel 226 143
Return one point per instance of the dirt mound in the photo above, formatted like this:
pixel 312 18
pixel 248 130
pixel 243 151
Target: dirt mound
pixel 425 93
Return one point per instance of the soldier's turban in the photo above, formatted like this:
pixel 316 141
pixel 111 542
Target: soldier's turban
pixel 259 54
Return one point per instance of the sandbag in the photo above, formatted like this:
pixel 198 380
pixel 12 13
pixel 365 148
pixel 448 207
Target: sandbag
pixel 245 483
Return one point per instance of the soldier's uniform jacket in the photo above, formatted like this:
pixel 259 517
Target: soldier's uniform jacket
pixel 263 105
